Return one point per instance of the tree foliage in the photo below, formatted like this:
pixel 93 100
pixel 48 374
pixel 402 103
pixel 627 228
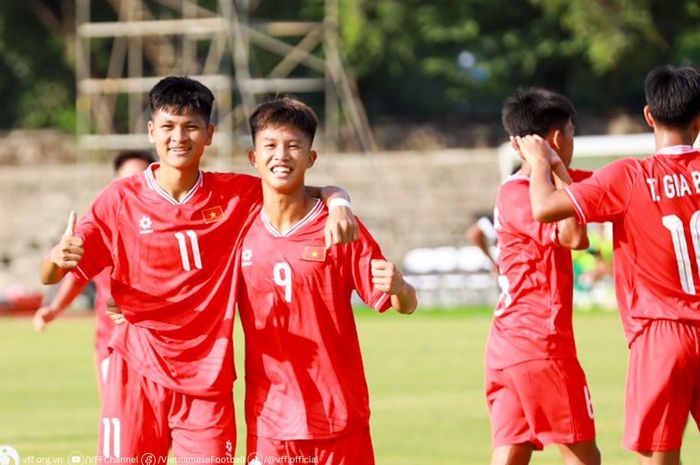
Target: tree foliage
pixel 414 59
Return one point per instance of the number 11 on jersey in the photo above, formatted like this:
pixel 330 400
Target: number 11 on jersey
pixel 194 245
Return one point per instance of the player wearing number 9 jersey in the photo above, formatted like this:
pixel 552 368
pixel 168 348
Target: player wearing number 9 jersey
pixel 654 206
pixel 306 393
pixel 169 237
pixel 536 391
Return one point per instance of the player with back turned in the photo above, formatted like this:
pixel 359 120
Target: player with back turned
pixel 536 391
pixel 654 207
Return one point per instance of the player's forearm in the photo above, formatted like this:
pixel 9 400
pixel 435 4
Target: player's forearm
pixel 541 188
pixel 571 234
pixel 49 272
pixel 327 193
pixel 405 300
pixel 69 290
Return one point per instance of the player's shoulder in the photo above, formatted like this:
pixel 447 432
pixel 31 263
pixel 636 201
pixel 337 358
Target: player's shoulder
pixel 231 180
pixel 121 188
pixel 515 182
pixel 513 189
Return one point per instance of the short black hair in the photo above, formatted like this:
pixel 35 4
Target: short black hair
pixel 126 155
pixel 180 93
pixel 673 95
pixel 284 111
pixel 536 111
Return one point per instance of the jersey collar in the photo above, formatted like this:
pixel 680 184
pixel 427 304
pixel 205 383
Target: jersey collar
pixel 313 213
pixel 153 185
pixel 676 150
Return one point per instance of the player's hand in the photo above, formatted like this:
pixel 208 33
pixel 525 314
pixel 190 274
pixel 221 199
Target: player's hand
pixel 114 312
pixel 42 317
pixel 386 277
pixel 534 149
pixel 68 252
pixel 341 227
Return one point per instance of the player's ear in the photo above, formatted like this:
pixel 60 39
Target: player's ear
pixel 648 117
pixel 251 156
pixel 150 127
pixel 554 138
pixel 696 123
pixel 210 133
pixel 312 158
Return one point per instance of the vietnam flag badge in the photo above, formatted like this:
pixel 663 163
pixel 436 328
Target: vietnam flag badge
pixel 314 253
pixel 213 214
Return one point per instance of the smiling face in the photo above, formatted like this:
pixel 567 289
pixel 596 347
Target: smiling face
pixel 281 155
pixel 179 139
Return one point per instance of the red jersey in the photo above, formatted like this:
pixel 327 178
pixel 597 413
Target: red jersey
pixel 103 325
pixel 172 273
pixel 653 204
pixel 304 372
pixel 533 317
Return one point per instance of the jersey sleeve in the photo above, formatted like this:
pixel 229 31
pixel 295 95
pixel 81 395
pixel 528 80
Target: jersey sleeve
pixel 579 175
pixel 249 188
pixel 605 195
pixel 362 252
pixel 96 228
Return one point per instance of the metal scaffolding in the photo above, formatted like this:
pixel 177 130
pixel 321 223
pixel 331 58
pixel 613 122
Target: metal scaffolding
pixel 123 53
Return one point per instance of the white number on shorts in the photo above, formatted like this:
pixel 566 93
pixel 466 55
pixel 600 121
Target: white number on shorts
pixel 184 255
pixel 680 247
pixel 282 274
pixel 111 437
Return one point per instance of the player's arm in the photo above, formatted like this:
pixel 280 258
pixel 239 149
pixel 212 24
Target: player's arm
pixel 387 278
pixel 341 227
pixel 570 233
pixel 476 236
pixel 548 203
pixel 64 256
pixel 70 288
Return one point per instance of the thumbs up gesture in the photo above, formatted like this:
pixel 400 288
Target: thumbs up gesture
pixel 68 252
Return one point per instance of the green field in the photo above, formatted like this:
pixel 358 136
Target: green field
pixel 425 374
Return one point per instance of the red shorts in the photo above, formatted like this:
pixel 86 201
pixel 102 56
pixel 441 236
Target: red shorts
pixel 663 386
pixel 541 402
pixel 349 449
pixel 141 419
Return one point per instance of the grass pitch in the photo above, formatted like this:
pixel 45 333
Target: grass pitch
pixel 425 373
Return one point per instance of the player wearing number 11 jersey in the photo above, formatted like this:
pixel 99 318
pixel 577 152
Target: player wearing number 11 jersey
pixel 654 206
pixel 169 237
pixel 306 394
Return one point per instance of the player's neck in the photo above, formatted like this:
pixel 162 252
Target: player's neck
pixel 285 210
pixel 525 169
pixel 668 138
pixel 176 182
